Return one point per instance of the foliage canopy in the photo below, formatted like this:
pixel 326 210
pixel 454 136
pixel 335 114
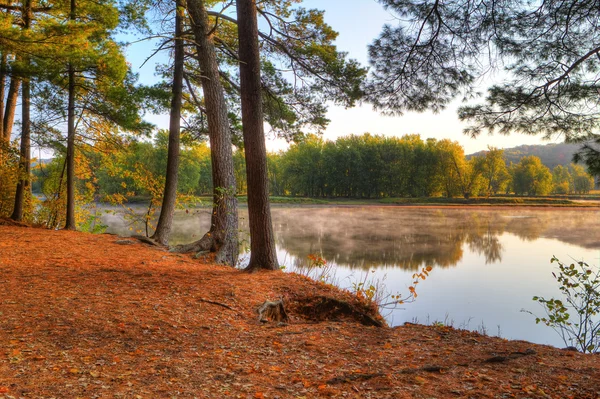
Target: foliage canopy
pixel 548 52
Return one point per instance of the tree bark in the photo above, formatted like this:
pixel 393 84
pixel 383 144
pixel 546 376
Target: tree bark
pixel 223 235
pixel 262 241
pixel 3 73
pixel 165 221
pixel 11 106
pixel 23 185
pixel 70 217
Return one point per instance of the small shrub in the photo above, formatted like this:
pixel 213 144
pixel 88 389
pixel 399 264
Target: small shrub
pixel 575 318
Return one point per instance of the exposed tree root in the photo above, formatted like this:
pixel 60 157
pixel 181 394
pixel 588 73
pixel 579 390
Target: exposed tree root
pixel 203 244
pixel 147 240
pixel 225 252
pixel 328 308
pixel 272 310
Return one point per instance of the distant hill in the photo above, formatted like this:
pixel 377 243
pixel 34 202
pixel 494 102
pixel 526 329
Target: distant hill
pixel 550 154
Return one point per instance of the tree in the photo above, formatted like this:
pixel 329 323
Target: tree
pixel 262 240
pixel 561 180
pixel 493 170
pixel 24 185
pixel 549 51
pixel 295 40
pixel 582 181
pixel 222 236
pixel 165 220
pixel 460 177
pixel 531 177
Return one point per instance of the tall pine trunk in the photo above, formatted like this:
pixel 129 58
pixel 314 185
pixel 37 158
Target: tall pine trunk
pixel 223 235
pixel 70 217
pixel 3 75
pixel 165 221
pixel 262 242
pixel 23 185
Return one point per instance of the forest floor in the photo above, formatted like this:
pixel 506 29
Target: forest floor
pixel 98 316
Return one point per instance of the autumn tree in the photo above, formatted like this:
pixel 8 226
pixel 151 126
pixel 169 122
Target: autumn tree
pixel 459 175
pixel 493 170
pixel 531 177
pixel 582 181
pixel 549 52
pixel 561 180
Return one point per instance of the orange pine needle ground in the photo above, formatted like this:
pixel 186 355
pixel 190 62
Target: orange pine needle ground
pixel 84 317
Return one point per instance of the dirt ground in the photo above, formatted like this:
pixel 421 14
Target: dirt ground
pixel 98 316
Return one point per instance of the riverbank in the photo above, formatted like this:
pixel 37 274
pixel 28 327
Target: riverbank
pixel 95 316
pixel 575 201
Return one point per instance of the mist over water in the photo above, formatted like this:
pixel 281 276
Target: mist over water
pixel 487 263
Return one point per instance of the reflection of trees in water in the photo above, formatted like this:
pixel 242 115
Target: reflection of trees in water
pixel 372 237
pixel 482 237
pixel 410 238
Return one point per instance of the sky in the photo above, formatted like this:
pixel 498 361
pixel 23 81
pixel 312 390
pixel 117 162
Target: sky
pixel 358 23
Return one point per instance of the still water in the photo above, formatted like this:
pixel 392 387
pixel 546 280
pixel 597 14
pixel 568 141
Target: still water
pixel 487 263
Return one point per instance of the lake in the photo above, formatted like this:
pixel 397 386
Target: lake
pixel 487 263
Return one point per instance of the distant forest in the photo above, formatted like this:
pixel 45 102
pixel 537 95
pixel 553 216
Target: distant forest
pixel 365 166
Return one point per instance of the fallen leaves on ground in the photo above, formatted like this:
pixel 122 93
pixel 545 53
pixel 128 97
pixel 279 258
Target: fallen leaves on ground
pixel 82 316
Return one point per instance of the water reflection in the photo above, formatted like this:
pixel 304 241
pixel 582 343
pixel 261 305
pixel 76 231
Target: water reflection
pixel 414 237
pixel 405 237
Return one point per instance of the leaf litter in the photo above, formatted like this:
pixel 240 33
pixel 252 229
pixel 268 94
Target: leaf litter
pixel 82 316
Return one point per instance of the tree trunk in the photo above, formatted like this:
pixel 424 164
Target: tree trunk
pixel 262 242
pixel 11 106
pixel 23 186
pixel 223 235
pixel 70 217
pixel 3 73
pixel 165 221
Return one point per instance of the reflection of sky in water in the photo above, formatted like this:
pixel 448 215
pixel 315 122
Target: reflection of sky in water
pixel 488 264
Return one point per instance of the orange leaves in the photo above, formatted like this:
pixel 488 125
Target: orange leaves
pixel 108 285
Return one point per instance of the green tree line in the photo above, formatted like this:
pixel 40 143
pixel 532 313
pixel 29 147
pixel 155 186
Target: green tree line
pixel 366 166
